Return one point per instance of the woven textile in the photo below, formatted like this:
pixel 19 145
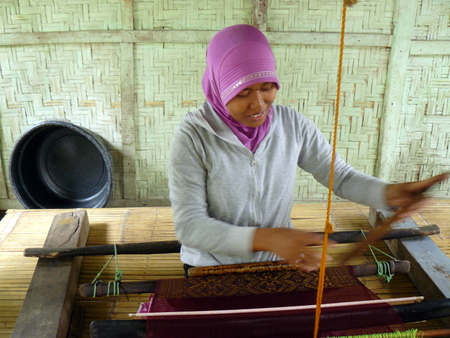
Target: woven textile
pixel 265 290
pixel 253 284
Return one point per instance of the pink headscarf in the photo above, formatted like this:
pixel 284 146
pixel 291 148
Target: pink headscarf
pixel 237 57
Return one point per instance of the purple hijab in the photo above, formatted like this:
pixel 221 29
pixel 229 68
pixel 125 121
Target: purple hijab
pixel 237 57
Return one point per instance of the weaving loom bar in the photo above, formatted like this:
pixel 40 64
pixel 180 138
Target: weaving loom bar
pixel 161 247
pixel 174 247
pixel 277 309
pixel 148 286
pixel 358 270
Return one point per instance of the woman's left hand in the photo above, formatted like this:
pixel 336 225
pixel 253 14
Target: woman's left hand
pixel 410 197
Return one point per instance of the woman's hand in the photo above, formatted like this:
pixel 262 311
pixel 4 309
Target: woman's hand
pixel 294 246
pixel 410 197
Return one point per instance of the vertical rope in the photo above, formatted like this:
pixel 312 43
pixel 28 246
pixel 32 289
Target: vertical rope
pixel 328 225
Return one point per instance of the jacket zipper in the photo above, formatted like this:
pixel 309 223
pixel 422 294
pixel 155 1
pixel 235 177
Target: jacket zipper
pixel 255 207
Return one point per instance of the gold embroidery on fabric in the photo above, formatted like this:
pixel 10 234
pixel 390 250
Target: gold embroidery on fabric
pixel 244 80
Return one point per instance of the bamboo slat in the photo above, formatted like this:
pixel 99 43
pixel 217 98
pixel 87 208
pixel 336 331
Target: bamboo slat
pixel 21 229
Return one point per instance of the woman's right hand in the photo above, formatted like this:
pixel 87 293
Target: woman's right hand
pixel 295 246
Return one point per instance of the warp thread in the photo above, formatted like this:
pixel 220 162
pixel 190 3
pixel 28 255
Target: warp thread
pixel 412 333
pixel 114 285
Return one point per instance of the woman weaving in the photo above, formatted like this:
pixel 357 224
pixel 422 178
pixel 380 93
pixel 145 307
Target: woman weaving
pixel 233 164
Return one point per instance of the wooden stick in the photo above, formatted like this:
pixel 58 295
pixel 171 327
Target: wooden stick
pixel 164 247
pixel 148 286
pixel 161 247
pixel 277 309
pixel 435 333
pixel 358 270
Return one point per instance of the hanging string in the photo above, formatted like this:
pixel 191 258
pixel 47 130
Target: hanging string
pixel 384 268
pixel 328 226
pixel 412 333
pixel 112 285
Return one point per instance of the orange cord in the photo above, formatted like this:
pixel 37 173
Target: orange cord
pixel 328 225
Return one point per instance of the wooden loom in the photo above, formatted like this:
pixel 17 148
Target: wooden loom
pixel 436 281
pixel 437 287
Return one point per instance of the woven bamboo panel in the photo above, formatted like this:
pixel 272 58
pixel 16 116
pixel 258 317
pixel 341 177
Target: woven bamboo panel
pixel 432 20
pixel 309 78
pixel 166 74
pixel 191 14
pixel 59 15
pixel 424 147
pixel 372 16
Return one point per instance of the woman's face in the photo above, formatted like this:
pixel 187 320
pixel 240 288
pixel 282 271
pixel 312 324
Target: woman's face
pixel 251 106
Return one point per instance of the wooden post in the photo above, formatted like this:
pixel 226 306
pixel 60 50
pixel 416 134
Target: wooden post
pixel 395 83
pixel 430 267
pixel 48 303
pixel 260 14
pixel 128 106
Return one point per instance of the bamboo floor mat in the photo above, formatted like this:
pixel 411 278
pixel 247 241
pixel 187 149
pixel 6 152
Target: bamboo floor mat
pixel 21 229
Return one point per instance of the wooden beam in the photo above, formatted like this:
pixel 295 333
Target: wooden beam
pixel 128 106
pixel 149 286
pixel 164 247
pixel 128 121
pixel 3 190
pixel 10 203
pixel 48 303
pixel 189 36
pixel 260 14
pixel 395 82
pixel 441 47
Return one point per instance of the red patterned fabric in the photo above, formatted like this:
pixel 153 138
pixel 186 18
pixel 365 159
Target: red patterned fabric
pixel 266 290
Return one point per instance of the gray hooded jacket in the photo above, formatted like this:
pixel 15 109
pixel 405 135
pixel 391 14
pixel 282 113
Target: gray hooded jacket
pixel 221 192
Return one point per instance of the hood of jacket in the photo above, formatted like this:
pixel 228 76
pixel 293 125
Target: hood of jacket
pixel 208 119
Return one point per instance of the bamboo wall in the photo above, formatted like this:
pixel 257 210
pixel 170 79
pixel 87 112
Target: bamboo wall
pixel 130 70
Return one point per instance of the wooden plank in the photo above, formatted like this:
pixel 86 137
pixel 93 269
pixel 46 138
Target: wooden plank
pixel 3 191
pixel 395 82
pixel 441 47
pixel 127 15
pixel 128 106
pixel 260 14
pixel 189 36
pixel 9 203
pixel 127 115
pixel 48 303
pixel 430 267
